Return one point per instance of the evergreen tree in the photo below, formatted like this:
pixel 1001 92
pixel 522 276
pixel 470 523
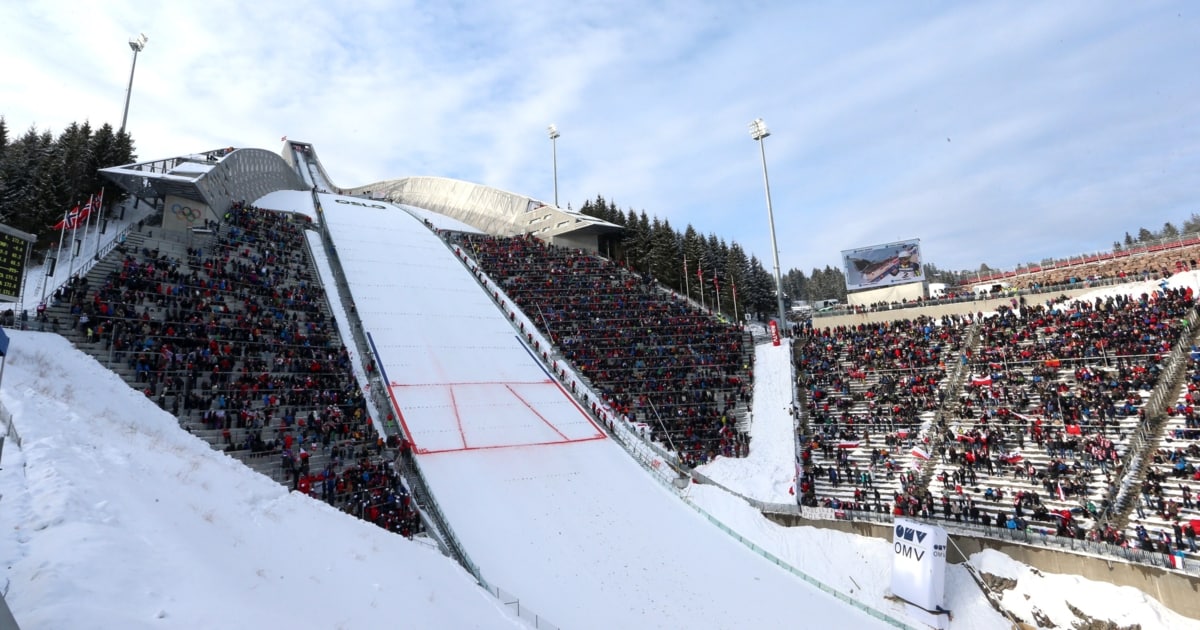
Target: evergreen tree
pixel 665 254
pixel 737 268
pixel 693 254
pixel 760 291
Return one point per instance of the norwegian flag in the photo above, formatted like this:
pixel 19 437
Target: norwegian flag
pixel 981 380
pixel 87 209
pixel 70 220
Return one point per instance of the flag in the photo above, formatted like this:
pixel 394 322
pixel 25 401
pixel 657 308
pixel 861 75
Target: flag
pixel 1011 457
pixel 715 284
pixel 1062 496
pixel 848 444
pixel 699 273
pixel 283 139
pixel 920 453
pixel 87 209
pixel 1176 558
pixel 981 380
pixel 70 219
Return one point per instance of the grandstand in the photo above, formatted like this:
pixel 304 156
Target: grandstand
pixel 1033 417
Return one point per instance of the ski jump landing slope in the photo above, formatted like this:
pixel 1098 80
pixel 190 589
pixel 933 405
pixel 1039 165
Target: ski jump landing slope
pixel 548 507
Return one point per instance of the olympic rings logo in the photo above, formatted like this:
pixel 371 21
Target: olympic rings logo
pixel 187 214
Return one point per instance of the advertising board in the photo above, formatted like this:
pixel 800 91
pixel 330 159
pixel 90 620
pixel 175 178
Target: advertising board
pixel 882 265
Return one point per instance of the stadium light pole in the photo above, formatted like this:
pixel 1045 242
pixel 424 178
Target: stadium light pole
pixel 759 131
pixel 553 130
pixel 138 44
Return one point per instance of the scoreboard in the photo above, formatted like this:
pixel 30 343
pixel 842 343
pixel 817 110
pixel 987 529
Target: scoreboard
pixel 14 251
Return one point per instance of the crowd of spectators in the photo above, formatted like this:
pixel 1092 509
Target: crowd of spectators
pixel 1088 271
pixel 1054 394
pixel 231 334
pixel 869 392
pixel 652 356
pixel 1167 506
pixel 368 487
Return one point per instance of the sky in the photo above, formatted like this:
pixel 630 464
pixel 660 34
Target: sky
pixel 996 132
pixel 104 483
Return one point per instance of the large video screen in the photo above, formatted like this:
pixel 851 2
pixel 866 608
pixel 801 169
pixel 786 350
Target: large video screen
pixel 882 265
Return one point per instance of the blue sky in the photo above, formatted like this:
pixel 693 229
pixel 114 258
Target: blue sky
pixel 997 132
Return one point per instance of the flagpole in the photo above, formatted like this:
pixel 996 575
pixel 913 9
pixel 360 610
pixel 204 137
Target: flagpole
pixel 100 205
pixel 74 231
pixel 700 275
pixel 717 290
pixel 87 221
pixel 735 308
pixel 57 255
pixel 687 289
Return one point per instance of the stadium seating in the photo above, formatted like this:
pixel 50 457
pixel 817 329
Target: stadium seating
pixel 647 352
pixel 871 391
pixel 228 328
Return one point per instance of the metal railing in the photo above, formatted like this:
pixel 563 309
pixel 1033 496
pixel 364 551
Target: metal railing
pixel 1031 535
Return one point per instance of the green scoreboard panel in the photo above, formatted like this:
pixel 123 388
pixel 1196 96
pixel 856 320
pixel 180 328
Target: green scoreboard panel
pixel 14 250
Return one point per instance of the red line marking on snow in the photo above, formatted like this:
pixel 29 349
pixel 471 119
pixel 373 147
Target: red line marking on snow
pixel 400 416
pixel 535 412
pixel 599 435
pixel 468 383
pixel 599 432
pixel 498 446
pixel 458 418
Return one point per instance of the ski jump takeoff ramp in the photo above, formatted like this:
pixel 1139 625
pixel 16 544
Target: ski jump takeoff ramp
pixel 549 509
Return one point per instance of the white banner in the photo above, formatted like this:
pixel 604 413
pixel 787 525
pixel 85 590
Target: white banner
pixel 919 563
pixel 818 513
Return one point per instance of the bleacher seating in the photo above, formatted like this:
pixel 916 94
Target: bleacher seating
pixel 228 328
pixel 1167 499
pixel 1039 431
pixel 870 394
pixel 648 353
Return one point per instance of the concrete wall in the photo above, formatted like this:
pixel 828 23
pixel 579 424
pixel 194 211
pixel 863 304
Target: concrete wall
pixel 588 242
pixel 894 293
pixel 1176 591
pixel 184 214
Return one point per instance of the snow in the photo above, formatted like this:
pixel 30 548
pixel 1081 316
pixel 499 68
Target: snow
pixel 546 506
pixel 111 516
pixel 768 473
pixel 191 169
pixel 1123 605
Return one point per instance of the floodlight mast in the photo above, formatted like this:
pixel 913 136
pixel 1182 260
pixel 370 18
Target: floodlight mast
pixel 137 44
pixel 553 131
pixel 759 131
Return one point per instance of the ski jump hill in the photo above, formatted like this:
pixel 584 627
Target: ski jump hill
pixel 541 500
